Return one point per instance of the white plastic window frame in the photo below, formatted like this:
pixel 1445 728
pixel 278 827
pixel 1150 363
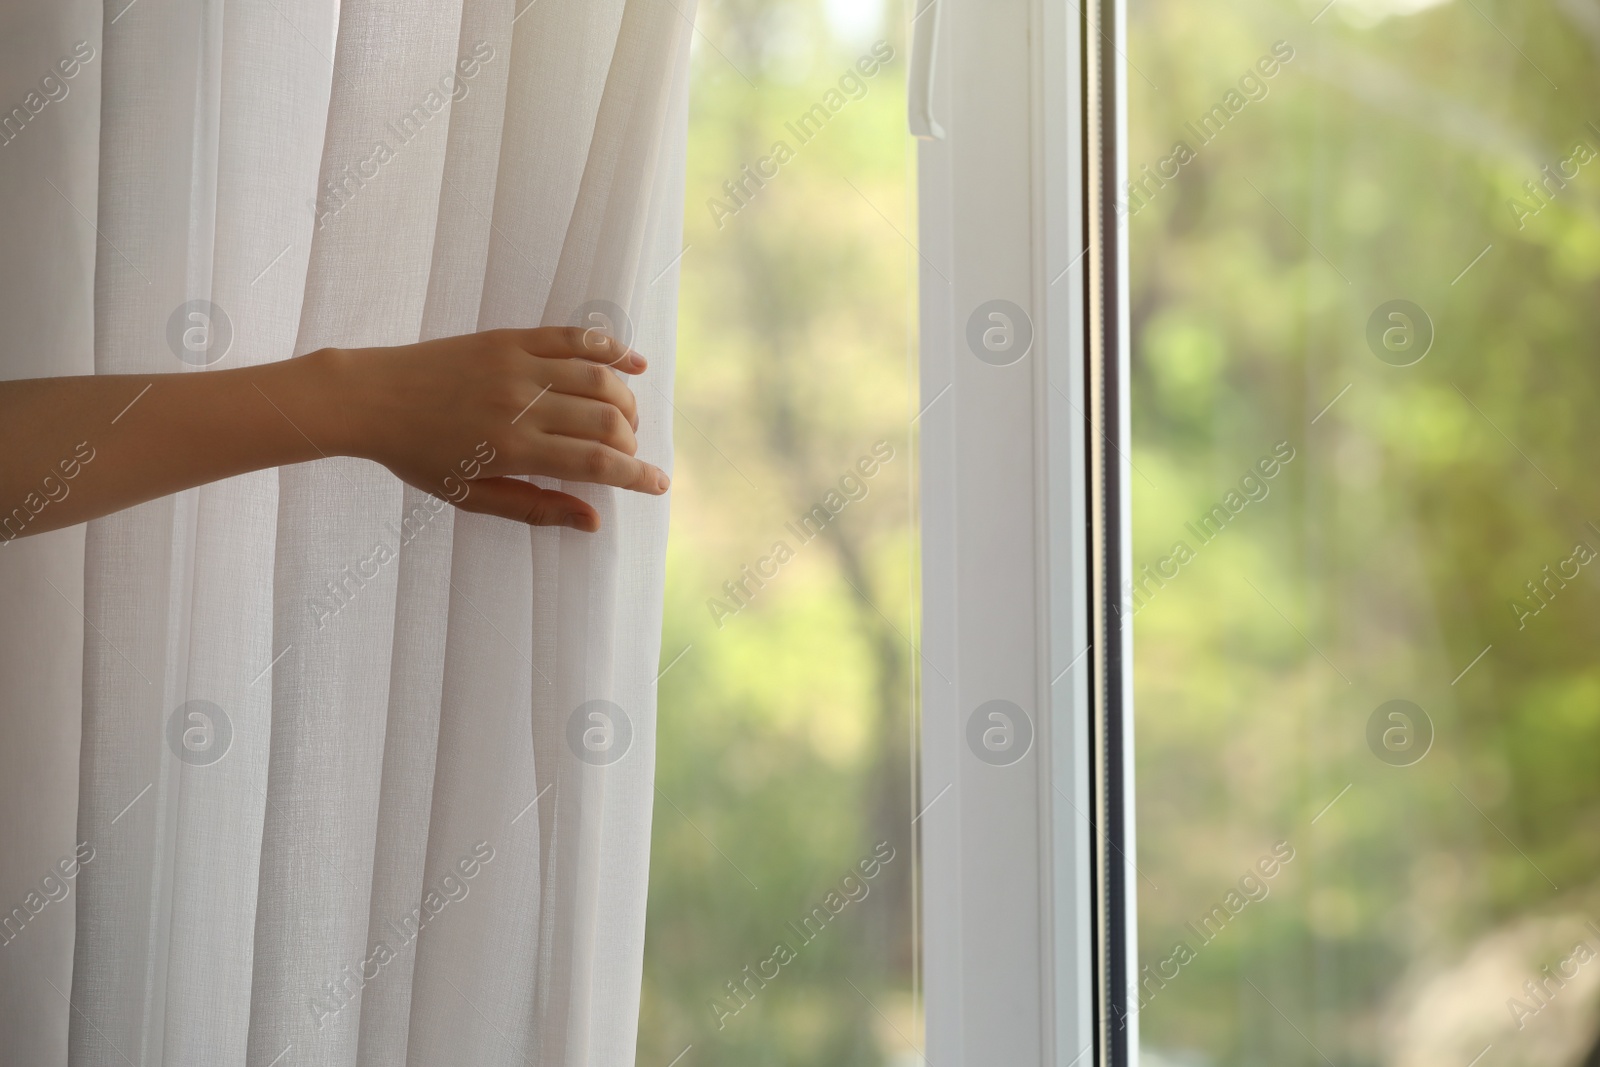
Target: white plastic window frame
pixel 1026 773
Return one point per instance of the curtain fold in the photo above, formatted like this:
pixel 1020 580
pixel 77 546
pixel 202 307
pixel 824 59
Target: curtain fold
pixel 368 781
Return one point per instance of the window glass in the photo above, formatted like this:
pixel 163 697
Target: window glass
pixel 1365 244
pixel 781 914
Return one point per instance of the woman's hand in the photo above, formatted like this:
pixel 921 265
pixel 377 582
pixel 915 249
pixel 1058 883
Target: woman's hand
pixel 456 416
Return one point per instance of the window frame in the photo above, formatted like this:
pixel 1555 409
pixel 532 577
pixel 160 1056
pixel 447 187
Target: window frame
pixel 1028 927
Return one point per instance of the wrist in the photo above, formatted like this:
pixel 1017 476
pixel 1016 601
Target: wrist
pixel 329 392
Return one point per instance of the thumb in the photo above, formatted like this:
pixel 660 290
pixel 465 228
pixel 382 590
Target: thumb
pixel 520 501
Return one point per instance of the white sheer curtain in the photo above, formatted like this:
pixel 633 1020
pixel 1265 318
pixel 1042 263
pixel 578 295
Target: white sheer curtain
pixel 363 877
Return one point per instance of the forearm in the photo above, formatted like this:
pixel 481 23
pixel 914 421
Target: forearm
pixel 78 448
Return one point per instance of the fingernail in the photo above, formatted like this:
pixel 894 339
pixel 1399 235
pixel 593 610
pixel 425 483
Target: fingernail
pixel 636 361
pixel 572 522
pixel 662 481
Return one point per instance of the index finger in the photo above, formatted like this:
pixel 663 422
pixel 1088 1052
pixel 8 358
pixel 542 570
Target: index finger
pixel 578 342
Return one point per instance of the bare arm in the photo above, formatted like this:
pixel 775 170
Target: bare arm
pixel 452 417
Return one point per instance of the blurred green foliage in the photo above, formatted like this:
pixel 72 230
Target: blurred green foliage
pixel 1382 160
pixel 785 751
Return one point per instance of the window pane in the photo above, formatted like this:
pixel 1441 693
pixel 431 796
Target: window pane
pixel 785 703
pixel 1365 243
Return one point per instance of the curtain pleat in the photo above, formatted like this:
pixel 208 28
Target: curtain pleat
pixel 405 853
